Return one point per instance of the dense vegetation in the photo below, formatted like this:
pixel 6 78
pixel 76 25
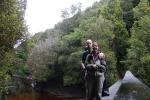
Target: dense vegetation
pixel 139 52
pixel 12 28
pixel 60 49
pixel 110 23
pixel 121 27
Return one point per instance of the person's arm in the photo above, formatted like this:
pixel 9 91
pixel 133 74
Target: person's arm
pixel 83 60
pixel 82 65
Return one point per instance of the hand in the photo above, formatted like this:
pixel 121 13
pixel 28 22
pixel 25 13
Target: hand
pixel 94 66
pixel 101 55
pixel 82 66
pixel 83 70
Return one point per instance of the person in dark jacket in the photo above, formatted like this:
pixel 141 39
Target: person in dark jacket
pixel 88 49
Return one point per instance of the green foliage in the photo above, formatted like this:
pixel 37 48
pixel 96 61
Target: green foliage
pixel 11 24
pixel 58 51
pixel 97 29
pixel 64 55
pixel 141 10
pixel 12 27
pixel 42 73
pixel 69 24
pixel 73 40
pixel 72 73
pixel 139 52
pixel 128 16
pixel 6 64
pixel 42 56
pixel 19 66
pixel 87 23
pixel 70 57
pixel 113 12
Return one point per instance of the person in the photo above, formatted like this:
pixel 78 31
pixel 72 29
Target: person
pixel 105 90
pixel 87 50
pixel 95 68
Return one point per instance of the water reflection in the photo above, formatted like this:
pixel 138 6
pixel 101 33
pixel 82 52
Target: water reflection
pixel 35 96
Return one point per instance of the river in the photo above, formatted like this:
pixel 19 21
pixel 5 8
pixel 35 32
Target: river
pixel 40 96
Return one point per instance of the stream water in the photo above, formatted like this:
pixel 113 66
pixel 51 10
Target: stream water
pixel 37 96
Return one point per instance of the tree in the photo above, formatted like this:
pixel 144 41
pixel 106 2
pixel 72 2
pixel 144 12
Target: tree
pixel 113 12
pixel 65 13
pixel 139 51
pixel 128 16
pixel 12 28
pixel 43 56
pixel 69 12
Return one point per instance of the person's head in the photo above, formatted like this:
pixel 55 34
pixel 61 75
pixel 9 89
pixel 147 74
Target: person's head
pixel 89 43
pixel 95 46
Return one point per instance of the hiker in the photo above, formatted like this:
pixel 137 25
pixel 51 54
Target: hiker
pixel 88 49
pixel 94 73
pixel 105 90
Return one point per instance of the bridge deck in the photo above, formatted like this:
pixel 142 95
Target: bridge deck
pixel 113 90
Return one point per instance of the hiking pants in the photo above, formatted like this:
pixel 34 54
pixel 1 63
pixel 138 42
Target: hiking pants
pixel 94 85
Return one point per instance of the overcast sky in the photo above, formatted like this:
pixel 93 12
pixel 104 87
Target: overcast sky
pixel 44 14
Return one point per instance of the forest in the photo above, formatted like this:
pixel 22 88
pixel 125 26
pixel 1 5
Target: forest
pixel 121 28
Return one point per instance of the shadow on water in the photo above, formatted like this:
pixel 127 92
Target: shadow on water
pixel 132 89
pixel 48 91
